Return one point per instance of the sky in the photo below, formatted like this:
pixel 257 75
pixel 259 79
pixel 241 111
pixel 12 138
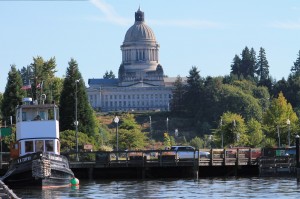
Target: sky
pixel 201 33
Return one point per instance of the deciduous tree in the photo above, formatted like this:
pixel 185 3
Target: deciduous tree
pixel 275 119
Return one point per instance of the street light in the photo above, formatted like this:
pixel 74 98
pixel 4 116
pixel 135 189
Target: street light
pixel 116 120
pixel 167 125
pixel 234 125
pixel 222 135
pixel 150 126
pixel 278 134
pixel 288 122
pixel 76 120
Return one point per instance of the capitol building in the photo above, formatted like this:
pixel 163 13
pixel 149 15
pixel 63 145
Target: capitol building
pixel 141 84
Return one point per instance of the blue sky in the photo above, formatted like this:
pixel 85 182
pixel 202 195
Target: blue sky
pixel 206 34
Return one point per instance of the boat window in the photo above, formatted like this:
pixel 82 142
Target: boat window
pixel 37 117
pixel 50 114
pixel 28 146
pixel 24 116
pixel 39 145
pixel 49 145
pixel 43 115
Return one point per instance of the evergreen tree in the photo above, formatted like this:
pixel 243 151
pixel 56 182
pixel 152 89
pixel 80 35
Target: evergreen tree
pixel 253 67
pixel 296 68
pixel 13 94
pixel 262 66
pixel 178 92
pixel 248 62
pixel 1 99
pixel 263 69
pixel 236 67
pixel 193 96
pixel 109 75
pixel 85 115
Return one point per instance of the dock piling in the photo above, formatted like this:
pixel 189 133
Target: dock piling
pixel 297 158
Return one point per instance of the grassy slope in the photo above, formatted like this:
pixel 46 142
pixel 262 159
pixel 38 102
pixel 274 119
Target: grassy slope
pixel 159 124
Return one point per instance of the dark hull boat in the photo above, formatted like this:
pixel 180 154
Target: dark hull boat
pixel 44 170
pixel 36 160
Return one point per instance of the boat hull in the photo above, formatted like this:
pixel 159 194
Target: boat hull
pixel 42 170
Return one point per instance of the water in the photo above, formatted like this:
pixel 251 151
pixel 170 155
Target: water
pixel 176 188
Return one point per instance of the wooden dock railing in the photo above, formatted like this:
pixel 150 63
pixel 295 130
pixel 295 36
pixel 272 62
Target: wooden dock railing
pixel 160 158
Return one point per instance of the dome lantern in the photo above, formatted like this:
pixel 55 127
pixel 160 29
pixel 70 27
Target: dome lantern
pixel 139 15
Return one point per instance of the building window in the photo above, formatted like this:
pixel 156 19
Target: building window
pixel 110 97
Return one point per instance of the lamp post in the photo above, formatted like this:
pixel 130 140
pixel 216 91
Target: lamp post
pixel 76 120
pixel 288 122
pixel 116 120
pixel 236 136
pixel 150 123
pixel 222 135
pixel 278 134
pixel 167 125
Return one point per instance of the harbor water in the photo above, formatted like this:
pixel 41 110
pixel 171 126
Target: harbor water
pixel 174 188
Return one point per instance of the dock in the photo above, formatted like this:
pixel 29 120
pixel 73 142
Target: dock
pixel 152 164
pixel 164 163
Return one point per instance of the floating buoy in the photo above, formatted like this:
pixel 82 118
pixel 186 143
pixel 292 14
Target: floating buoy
pixel 74 181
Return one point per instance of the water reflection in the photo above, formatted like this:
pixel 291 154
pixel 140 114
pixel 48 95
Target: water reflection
pixel 176 188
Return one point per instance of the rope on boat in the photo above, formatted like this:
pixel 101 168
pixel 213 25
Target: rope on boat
pixel 41 168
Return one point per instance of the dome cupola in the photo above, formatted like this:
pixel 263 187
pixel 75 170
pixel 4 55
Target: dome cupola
pixel 139 31
pixel 140 54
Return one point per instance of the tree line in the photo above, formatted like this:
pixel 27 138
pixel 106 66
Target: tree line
pixel 244 108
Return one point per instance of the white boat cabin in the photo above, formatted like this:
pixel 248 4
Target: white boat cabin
pixel 37 128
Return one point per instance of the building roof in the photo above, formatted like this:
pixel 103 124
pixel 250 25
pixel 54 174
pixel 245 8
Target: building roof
pixel 103 82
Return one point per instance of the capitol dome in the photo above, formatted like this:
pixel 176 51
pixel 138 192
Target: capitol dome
pixel 139 31
pixel 140 55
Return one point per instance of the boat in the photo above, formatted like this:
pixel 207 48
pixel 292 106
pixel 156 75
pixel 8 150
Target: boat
pixel 35 156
